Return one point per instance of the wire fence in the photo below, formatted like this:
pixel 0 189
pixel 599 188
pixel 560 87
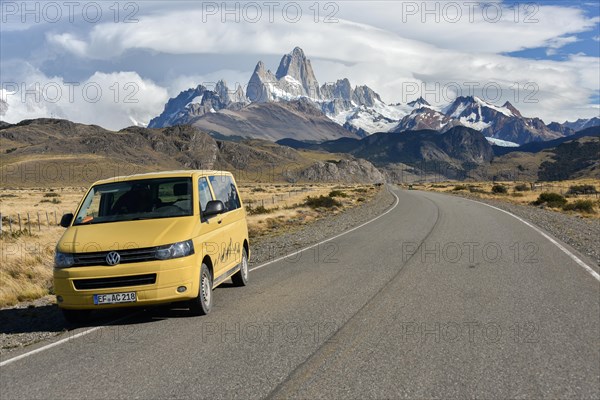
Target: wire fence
pixel 273 199
pixel 565 189
pixel 29 221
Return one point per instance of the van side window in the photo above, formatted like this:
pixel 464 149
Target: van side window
pixel 225 191
pixel 203 193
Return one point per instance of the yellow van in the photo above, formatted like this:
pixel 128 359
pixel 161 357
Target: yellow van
pixel 151 239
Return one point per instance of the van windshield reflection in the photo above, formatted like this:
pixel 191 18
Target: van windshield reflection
pixel 137 200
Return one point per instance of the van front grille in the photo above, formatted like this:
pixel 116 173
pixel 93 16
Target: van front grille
pixel 116 282
pixel 127 256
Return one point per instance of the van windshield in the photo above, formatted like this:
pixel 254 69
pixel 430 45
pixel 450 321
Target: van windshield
pixel 137 200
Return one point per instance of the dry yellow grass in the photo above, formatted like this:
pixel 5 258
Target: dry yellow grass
pixel 483 190
pixel 289 213
pixel 26 272
pixel 27 258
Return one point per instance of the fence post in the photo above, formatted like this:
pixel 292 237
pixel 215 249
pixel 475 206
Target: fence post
pixel 47 220
pixel 29 223
pixel 19 216
pixel 10 224
pixel 39 226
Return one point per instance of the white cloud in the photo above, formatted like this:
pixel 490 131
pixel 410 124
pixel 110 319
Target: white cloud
pixel 114 100
pixel 475 30
pixel 530 25
pixel 370 44
pixel 69 42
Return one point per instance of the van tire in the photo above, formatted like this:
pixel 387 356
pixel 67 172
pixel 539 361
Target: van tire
pixel 240 278
pixel 76 316
pixel 202 304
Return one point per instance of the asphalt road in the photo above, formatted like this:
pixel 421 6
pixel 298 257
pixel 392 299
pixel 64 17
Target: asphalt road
pixel 440 298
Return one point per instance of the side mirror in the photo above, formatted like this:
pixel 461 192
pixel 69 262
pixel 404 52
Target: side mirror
pixel 214 207
pixel 66 220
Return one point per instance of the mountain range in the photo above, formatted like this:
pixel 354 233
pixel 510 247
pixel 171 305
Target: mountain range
pixel 272 104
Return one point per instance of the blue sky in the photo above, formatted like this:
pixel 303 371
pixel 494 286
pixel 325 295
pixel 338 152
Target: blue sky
pixel 588 42
pixel 394 47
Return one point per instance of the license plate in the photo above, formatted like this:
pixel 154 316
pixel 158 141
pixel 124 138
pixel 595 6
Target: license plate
pixel 113 298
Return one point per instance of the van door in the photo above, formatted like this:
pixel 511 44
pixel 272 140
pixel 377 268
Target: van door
pixel 231 240
pixel 212 229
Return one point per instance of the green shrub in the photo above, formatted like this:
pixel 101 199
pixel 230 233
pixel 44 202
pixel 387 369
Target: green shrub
pixel 499 189
pixel 551 200
pixel 53 201
pixel 337 193
pixel 521 187
pixel 475 189
pixel 260 210
pixel 460 187
pixel 322 202
pixel 585 206
pixel 582 189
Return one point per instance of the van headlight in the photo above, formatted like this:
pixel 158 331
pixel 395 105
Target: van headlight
pixel 175 250
pixel 63 260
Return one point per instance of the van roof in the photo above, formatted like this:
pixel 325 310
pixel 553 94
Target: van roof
pixel 163 174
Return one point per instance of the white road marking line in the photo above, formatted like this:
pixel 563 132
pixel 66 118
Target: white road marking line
pixel 86 332
pixel 582 264
pixel 331 238
pixel 61 341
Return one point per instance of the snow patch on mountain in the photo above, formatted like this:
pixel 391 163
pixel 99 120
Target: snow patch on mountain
pixel 472 122
pixel 502 143
pixel 504 110
pixel 195 100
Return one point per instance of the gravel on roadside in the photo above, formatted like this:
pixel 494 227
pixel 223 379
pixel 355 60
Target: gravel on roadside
pixel 583 234
pixel 35 321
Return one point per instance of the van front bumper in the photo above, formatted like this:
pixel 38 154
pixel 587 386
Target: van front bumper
pixel 170 275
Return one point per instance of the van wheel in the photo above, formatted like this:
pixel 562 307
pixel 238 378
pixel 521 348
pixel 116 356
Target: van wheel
pixel 202 304
pixel 240 278
pixel 76 316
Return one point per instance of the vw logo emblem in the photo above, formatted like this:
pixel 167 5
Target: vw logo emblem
pixel 113 258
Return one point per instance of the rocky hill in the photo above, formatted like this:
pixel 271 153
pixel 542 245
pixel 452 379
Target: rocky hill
pixel 535 147
pixel 457 145
pixel 46 152
pixel 451 154
pixel 274 121
pixel 346 171
pixel 561 159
